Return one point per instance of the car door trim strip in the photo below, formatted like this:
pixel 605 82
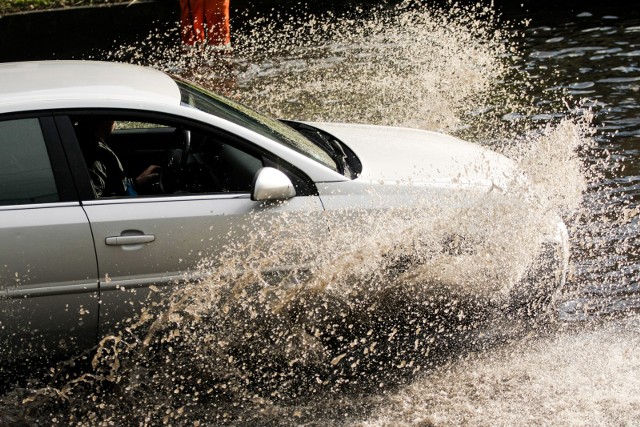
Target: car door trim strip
pixel 68 289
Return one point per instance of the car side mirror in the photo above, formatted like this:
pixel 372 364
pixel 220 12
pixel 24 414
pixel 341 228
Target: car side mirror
pixel 271 184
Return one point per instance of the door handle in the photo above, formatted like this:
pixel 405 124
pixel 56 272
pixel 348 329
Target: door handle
pixel 137 239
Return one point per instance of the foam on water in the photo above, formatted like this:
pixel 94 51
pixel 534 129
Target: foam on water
pixel 572 379
pixel 399 318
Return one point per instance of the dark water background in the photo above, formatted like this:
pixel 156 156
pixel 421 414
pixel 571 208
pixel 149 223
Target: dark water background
pixel 579 73
pixel 596 58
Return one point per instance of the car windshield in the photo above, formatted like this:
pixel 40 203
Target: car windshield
pixel 239 114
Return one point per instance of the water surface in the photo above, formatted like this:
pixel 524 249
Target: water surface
pixel 357 346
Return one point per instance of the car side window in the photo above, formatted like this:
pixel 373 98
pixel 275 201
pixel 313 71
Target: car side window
pixel 172 158
pixel 26 176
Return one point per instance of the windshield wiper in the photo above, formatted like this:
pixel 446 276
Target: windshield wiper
pixel 327 142
pixel 339 156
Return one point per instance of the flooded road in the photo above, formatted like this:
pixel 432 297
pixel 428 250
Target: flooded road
pixel 358 346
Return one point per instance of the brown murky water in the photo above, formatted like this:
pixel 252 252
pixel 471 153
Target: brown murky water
pixel 367 340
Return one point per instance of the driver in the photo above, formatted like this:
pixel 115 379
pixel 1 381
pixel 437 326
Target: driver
pixel 107 174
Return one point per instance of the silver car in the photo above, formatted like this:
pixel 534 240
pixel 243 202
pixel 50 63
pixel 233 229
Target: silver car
pixel 70 250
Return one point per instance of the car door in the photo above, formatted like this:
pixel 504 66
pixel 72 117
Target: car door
pixel 163 239
pixel 48 269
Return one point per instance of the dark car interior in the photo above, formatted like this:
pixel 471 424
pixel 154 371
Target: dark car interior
pixel 191 160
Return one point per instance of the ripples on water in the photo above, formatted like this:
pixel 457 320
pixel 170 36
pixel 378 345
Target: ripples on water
pixel 597 59
pixel 356 345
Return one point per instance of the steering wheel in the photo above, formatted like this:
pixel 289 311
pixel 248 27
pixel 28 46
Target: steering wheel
pixel 175 162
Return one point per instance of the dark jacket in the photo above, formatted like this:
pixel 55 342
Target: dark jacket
pixel 106 172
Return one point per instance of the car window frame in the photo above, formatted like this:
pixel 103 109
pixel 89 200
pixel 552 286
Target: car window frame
pixel 303 184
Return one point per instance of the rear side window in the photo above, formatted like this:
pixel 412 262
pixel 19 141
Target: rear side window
pixel 25 170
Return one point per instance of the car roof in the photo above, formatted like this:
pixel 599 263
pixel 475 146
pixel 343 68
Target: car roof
pixel 54 84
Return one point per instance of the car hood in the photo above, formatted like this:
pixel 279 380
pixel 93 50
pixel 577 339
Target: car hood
pixel 393 154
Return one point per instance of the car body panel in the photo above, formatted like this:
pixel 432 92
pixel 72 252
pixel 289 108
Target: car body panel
pixel 418 157
pixel 189 236
pixel 48 280
pixel 38 84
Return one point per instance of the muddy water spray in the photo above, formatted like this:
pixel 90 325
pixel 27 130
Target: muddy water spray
pixel 366 315
pixel 373 309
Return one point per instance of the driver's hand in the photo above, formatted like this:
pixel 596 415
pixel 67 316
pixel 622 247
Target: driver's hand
pixel 149 176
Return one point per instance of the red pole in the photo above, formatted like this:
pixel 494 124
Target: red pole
pixel 205 21
pixel 216 13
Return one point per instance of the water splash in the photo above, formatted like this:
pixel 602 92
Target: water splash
pixel 570 379
pixel 380 316
pixel 367 315
pixel 408 65
pixel 416 68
